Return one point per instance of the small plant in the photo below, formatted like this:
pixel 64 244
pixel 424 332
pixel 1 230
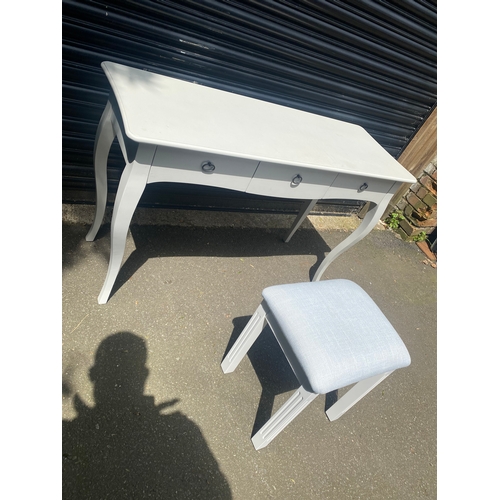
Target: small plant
pixel 394 219
pixel 422 236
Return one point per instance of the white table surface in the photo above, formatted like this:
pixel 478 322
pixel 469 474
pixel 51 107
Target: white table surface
pixel 166 111
pixel 170 129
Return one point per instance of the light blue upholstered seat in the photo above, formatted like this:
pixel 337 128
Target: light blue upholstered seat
pixel 333 335
pixel 336 333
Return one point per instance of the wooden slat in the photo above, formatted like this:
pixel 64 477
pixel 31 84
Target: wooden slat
pixel 421 150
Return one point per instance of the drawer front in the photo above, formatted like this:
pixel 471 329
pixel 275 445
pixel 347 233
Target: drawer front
pixel 194 167
pixel 356 187
pixel 285 181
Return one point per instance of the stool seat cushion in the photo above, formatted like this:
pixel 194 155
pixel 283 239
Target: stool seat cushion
pixel 333 333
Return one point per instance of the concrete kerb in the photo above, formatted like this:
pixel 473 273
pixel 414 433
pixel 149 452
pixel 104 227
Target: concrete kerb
pixel 84 214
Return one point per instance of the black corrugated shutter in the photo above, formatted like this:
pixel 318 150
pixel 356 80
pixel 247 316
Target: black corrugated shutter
pixel 372 63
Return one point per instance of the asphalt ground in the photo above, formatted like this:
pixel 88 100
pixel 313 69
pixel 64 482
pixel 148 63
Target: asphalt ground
pixel 146 409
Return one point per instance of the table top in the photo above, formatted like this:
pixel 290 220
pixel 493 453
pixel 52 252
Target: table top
pixel 165 111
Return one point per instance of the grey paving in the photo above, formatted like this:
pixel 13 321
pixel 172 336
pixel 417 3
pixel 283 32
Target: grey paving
pixel 147 411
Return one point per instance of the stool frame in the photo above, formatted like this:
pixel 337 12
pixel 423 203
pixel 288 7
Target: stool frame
pixel 302 397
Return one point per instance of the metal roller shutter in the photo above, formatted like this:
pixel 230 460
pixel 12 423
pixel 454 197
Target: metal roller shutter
pixel 372 63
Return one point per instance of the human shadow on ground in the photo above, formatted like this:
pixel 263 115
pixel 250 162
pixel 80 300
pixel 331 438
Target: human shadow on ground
pixel 124 447
pixel 272 369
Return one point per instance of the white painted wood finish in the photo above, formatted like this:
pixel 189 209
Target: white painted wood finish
pixel 165 111
pixel 194 167
pixel 358 187
pixel 245 340
pixel 175 131
pixel 286 181
pixel 302 397
pixel 297 403
pixel 354 394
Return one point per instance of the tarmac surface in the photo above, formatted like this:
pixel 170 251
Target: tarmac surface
pixel 146 409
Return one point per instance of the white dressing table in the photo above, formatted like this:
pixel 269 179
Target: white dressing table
pixel 175 131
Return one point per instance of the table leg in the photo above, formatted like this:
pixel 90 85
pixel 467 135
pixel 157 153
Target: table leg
pixel 104 138
pixel 370 220
pixel 304 211
pixel 130 189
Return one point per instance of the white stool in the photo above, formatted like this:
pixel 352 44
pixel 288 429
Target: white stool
pixel 333 335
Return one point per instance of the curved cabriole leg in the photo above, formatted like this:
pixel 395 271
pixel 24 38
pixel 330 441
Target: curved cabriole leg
pixel 130 189
pixel 369 222
pixel 104 138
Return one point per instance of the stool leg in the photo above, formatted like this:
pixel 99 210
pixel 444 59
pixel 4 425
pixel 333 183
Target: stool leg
pixel 350 398
pixel 245 340
pixel 300 399
pixel 104 139
pixel 130 189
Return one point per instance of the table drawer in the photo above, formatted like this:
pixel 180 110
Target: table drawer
pixel 285 181
pixel 194 167
pixel 356 187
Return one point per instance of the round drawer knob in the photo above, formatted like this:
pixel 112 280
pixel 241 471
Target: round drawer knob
pixel 363 187
pixel 208 166
pixel 297 180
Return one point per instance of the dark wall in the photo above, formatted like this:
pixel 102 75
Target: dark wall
pixel 365 62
